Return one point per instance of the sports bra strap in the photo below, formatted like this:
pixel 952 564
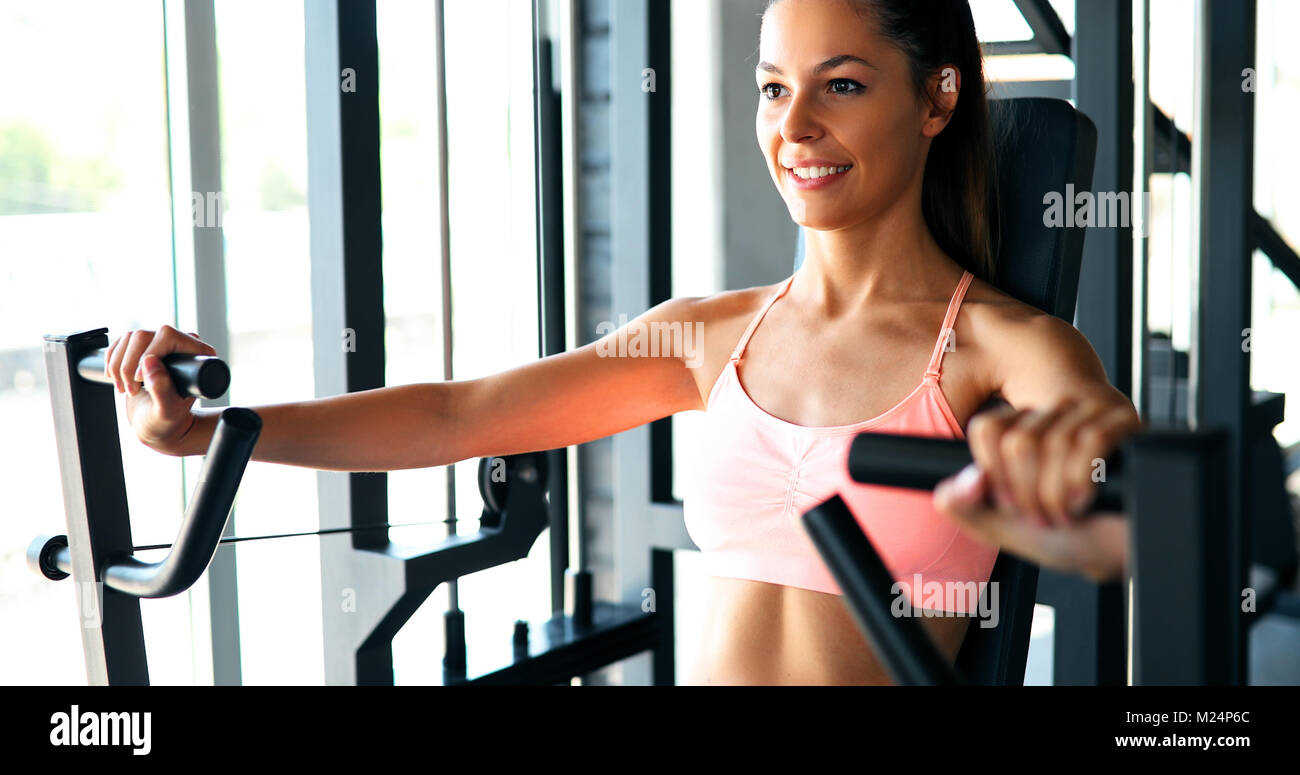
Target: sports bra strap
pixel 946 331
pixel 753 324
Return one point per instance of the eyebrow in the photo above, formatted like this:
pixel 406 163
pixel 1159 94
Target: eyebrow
pixel 829 64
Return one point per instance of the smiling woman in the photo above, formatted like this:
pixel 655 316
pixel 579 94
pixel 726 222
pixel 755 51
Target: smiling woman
pixel 872 120
pixel 922 55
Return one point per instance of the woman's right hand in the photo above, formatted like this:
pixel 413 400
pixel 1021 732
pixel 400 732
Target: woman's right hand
pixel 159 415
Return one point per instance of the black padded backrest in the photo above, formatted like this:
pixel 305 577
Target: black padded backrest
pixel 1044 146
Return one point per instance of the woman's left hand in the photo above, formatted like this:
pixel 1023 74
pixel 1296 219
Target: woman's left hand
pixel 1033 480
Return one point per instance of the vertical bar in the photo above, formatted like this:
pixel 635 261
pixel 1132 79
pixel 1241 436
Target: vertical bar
pixel 193 103
pixel 1088 637
pixel 444 247
pixel 1088 644
pixel 572 40
pixel 1223 179
pixel 347 292
pixel 1103 90
pixel 550 277
pixel 631 223
pixel 1144 165
pixel 94 499
pixel 1185 603
pixel 661 580
pixel 659 269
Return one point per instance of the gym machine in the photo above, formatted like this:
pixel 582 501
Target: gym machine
pixel 97 551
pixel 1185 609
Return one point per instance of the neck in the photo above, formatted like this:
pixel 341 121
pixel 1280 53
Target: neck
pixel 890 257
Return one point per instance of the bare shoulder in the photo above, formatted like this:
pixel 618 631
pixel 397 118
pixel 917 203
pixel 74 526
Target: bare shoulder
pixel 720 312
pixel 718 321
pixel 1031 356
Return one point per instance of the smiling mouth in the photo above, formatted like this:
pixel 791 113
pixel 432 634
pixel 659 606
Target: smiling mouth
pixel 817 173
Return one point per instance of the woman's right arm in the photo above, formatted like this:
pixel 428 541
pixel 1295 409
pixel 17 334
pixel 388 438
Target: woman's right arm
pixel 564 399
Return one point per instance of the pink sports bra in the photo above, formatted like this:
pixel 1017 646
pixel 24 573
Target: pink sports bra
pixel 753 475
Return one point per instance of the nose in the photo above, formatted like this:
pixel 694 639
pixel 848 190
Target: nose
pixel 800 124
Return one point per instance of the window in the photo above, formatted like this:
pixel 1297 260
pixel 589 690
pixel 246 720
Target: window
pixel 85 224
pixel 494 270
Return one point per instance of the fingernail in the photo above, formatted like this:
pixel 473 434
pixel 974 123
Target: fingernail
pixel 1004 497
pixel 1078 501
pixel 967 479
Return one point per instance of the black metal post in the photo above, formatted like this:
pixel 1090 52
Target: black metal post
pixel 94 497
pixel 1088 641
pixel 1185 599
pixel 1223 159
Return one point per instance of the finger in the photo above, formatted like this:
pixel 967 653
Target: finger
pixel 115 365
pixel 1022 455
pixel 1095 440
pixel 965 498
pixel 1104 544
pixel 111 357
pixel 196 345
pixel 984 434
pixel 134 348
pixel 1064 471
pixel 167 405
pixel 167 341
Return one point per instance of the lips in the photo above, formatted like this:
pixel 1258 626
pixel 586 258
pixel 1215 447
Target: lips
pixel 813 178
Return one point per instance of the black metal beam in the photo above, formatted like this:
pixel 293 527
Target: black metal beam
pixel 1185 602
pixel 343 130
pixel 659 136
pixel 1277 249
pixel 1103 88
pixel 549 180
pixel 1225 143
pixel 661 581
pixel 1088 641
pixel 1172 146
pixel 1049 32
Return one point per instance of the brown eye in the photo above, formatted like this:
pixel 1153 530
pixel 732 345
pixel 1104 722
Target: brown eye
pixel 766 90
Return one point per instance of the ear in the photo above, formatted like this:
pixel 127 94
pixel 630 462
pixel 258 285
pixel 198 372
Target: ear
pixel 944 88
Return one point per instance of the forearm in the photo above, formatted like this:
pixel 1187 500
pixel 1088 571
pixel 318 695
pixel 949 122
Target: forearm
pixel 385 429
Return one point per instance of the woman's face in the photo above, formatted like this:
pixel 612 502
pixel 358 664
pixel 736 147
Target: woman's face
pixel 833 94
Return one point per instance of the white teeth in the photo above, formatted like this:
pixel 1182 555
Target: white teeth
pixel 813 173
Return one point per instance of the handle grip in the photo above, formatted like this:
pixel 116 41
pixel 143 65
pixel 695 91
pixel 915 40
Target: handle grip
pixel 920 463
pixel 200 376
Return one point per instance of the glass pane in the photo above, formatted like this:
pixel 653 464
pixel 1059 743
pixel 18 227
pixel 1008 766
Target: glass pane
pixel 494 276
pixel 1276 315
pixel 268 275
pixel 1277 91
pixel 85 224
pixel 696 245
pixel 999 20
pixel 1173 38
pixel 412 253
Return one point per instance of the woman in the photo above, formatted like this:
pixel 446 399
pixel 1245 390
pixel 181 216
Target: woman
pixel 873 122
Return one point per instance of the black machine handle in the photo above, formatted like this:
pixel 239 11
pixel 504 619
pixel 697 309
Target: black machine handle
pixel 920 463
pixel 914 462
pixel 205 519
pixel 201 376
pixel 900 643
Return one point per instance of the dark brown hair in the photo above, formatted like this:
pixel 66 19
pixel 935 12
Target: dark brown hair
pixel 958 193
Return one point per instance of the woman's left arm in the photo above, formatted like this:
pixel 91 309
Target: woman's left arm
pixel 1033 476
